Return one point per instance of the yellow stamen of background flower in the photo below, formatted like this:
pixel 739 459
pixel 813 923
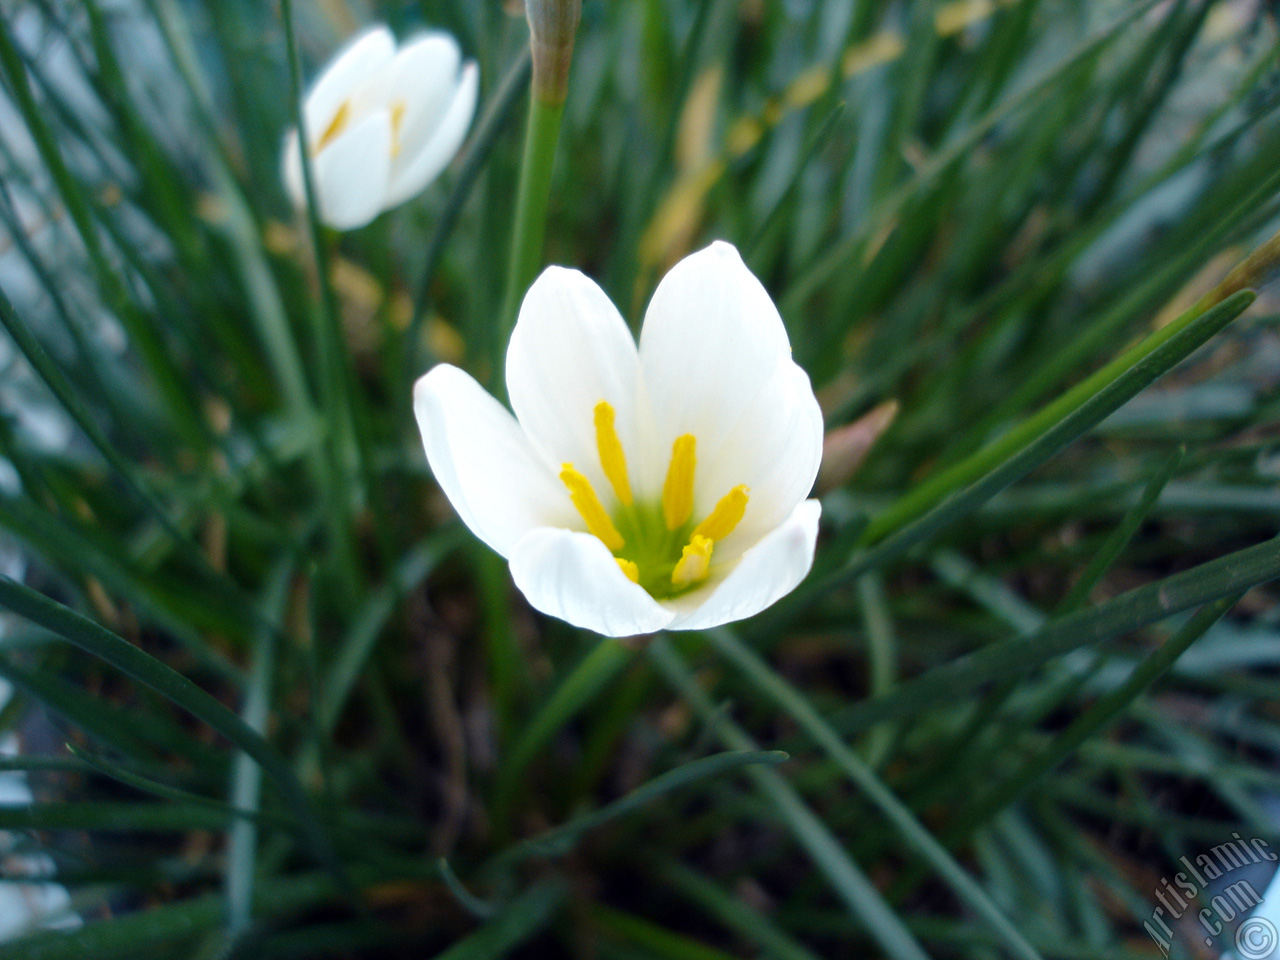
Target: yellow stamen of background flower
pixel 335 127
pixel 612 459
pixel 629 568
pixel 584 498
pixel 695 561
pixel 677 490
pixel 397 122
pixel 727 514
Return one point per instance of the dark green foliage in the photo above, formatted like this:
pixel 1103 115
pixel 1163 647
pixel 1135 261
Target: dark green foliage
pixel 300 712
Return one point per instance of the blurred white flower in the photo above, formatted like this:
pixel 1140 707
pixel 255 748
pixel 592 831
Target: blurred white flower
pixel 382 124
pixel 638 489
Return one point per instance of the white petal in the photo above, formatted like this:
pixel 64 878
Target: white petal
pixel 775 448
pixel 351 173
pixel 573 576
pixel 415 169
pixel 483 462
pixel 291 170
pixel 423 78
pixel 764 575
pixel 711 339
pixel 362 58
pixel 571 349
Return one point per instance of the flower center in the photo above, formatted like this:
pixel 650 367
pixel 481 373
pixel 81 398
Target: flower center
pixel 656 544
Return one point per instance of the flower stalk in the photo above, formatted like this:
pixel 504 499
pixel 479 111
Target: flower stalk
pixel 534 194
pixel 552 25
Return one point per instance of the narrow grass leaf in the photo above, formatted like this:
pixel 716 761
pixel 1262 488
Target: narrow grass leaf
pixel 171 685
pixel 125 935
pixel 560 840
pixel 519 920
pixel 847 879
pixel 1225 576
pixel 744 920
pixel 1119 538
pixel 592 673
pixel 1079 409
pixel 894 810
pixel 656 941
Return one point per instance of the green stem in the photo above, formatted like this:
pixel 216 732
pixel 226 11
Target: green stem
pixel 541 136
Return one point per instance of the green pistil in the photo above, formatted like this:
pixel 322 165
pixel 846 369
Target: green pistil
pixel 653 548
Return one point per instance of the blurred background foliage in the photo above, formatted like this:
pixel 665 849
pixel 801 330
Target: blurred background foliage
pixel 273 701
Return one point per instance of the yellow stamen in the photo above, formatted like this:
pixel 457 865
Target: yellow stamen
pixel 335 127
pixel 629 568
pixel 677 491
pixel 397 121
pixel 695 561
pixel 612 459
pixel 584 498
pixel 727 514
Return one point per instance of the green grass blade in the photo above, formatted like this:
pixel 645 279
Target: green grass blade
pixel 519 920
pixel 933 505
pixel 841 253
pixel 586 681
pixel 111 725
pixel 369 622
pixel 1119 538
pixel 1079 409
pixel 735 914
pixel 1137 608
pixel 894 810
pixel 124 936
pixel 560 840
pixel 246 775
pixel 183 798
pixel 847 879
pixel 171 685
pixel 178 402
pixel 656 940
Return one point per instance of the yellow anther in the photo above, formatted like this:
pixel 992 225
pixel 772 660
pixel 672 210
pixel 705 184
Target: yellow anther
pixel 677 491
pixel 397 123
pixel 612 459
pixel 335 127
pixel 728 512
pixel 629 568
pixel 695 561
pixel 584 498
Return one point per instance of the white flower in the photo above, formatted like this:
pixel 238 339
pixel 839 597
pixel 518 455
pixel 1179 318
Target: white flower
pixel 382 124
pixel 642 489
